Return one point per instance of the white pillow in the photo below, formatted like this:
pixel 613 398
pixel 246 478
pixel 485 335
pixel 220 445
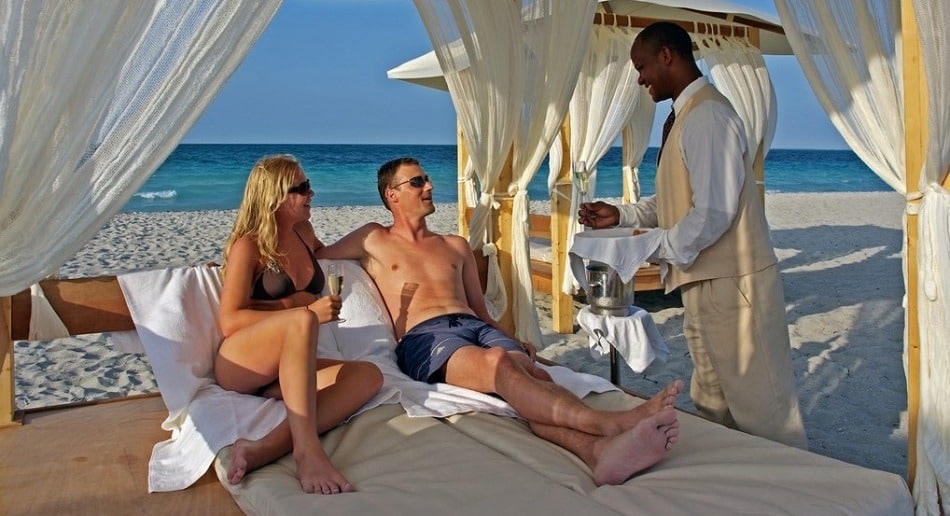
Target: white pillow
pixel 175 311
pixel 367 332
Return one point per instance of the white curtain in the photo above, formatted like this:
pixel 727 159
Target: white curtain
pixel 510 91
pixel 484 77
pixel 851 56
pixel 738 71
pixel 556 36
pixel 848 52
pixel 932 479
pixel 94 95
pixel 606 96
pixel 636 138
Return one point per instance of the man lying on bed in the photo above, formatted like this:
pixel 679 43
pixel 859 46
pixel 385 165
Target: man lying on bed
pixel 431 288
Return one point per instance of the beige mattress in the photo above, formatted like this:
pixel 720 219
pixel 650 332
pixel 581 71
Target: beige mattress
pixel 481 464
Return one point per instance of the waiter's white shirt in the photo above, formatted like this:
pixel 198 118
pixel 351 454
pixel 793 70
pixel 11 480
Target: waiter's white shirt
pixel 713 146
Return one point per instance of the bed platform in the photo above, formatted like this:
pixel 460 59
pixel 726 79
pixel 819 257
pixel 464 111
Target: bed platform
pixel 93 459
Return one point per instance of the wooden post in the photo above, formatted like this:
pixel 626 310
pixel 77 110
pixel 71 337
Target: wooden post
pixel 562 305
pixel 462 160
pixel 7 369
pixel 501 226
pixel 915 148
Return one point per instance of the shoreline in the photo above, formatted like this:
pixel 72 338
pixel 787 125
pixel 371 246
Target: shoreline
pixel 839 253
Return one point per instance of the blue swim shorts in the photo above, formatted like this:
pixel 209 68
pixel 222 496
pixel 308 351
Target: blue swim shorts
pixel 423 350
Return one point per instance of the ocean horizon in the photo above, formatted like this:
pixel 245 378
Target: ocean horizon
pixel 198 177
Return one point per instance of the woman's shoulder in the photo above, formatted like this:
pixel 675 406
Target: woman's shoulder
pixel 245 248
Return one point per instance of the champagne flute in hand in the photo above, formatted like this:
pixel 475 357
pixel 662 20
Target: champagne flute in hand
pixel 335 282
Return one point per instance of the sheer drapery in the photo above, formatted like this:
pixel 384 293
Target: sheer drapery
pixel 94 95
pixel 508 99
pixel 484 77
pixel 556 36
pixel 636 138
pixel 738 71
pixel 604 99
pixel 850 56
pixel 932 479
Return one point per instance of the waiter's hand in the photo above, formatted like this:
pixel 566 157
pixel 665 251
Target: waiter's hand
pixel 598 215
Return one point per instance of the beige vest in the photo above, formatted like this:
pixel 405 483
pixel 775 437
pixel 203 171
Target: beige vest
pixel 745 247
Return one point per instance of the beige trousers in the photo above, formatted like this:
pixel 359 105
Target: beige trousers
pixel 738 338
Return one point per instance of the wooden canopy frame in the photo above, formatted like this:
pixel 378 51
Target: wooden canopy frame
pixel 546 276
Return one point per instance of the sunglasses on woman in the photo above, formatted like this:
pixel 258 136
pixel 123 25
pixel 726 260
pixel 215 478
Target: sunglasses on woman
pixel 302 188
pixel 415 182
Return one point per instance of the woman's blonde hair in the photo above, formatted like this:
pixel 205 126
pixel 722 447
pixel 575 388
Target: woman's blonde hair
pixel 265 190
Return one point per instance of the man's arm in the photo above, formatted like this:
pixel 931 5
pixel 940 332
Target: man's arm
pixel 470 280
pixel 351 247
pixel 473 290
pixel 641 214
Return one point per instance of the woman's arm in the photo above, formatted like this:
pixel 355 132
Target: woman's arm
pixel 236 304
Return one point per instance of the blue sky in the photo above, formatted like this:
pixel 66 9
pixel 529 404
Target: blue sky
pixel 318 75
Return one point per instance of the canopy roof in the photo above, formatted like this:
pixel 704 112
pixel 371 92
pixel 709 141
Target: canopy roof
pixel 425 70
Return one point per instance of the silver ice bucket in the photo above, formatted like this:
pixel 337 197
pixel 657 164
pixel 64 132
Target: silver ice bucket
pixel 606 293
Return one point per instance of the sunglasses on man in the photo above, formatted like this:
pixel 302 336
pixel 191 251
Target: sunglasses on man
pixel 415 182
pixel 302 188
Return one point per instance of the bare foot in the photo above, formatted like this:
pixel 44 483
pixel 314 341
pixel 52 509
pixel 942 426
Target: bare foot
pixel 634 450
pixel 317 475
pixel 246 456
pixel 661 400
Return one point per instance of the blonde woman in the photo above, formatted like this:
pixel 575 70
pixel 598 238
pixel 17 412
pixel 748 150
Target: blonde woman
pixel 271 310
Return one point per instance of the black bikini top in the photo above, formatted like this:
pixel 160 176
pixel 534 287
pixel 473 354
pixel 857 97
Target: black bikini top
pixel 273 283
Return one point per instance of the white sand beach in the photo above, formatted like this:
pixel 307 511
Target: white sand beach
pixel 841 262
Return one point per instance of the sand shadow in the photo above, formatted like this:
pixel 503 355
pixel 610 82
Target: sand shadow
pixel 853 375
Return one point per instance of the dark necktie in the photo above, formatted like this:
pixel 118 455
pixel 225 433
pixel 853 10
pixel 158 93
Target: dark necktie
pixel 666 132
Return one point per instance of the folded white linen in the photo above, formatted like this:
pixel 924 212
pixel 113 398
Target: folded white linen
pixel 175 312
pixel 617 247
pixel 635 336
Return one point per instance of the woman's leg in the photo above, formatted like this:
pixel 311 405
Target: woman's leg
pixel 343 387
pixel 284 347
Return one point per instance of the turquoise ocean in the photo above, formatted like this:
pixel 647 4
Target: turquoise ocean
pixel 211 176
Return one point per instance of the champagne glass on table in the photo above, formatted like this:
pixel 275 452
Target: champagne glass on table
pixel 335 282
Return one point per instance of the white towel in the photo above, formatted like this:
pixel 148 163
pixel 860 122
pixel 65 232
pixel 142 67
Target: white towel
pixel 45 323
pixel 617 247
pixel 635 336
pixel 176 317
pixel 175 312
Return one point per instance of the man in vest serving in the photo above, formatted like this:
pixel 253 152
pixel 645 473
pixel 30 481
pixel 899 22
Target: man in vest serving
pixel 715 246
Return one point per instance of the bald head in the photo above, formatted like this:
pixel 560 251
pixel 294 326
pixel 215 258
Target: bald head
pixel 666 34
pixel 662 55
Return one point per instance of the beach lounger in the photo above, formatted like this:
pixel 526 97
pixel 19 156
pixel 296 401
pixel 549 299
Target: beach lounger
pixel 466 463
